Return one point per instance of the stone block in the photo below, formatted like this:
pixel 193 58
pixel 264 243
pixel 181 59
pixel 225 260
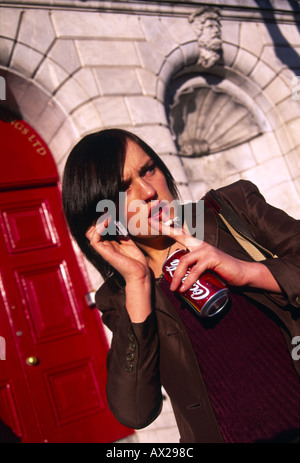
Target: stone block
pixel 230 32
pixel 274 118
pixel 9 20
pixel 220 165
pixel 156 33
pixel 85 77
pixel 176 61
pixel 229 53
pixel 190 52
pixel 277 90
pixel 145 110
pixel 6 46
pixel 179 28
pixel 262 74
pixel 186 193
pixel 36 29
pixel 293 162
pixel 83 24
pixel 246 84
pixel 268 174
pixel 157 136
pixel 245 62
pixel 197 190
pixel 25 59
pixel 202 170
pixel 290 32
pixel 107 53
pixel 265 147
pixel 113 111
pixel 61 145
pixel 289 109
pixel 175 167
pixel 297 186
pixel 19 85
pixel 250 37
pixel 293 128
pixel 271 59
pixel 114 81
pixel 160 90
pixel 272 35
pixel 166 71
pixel 71 95
pixel 150 56
pixel 263 102
pixel 284 196
pixel 50 75
pixel 147 80
pixel 288 76
pixel 286 136
pixel 64 53
pixel 87 119
pixel 50 120
pixel 34 103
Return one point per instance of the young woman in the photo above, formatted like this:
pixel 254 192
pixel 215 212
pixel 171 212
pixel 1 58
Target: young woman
pixel 230 379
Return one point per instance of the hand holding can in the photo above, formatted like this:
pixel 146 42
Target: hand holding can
pixel 207 296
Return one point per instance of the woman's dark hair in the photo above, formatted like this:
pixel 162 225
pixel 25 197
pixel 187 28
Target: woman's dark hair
pixel 93 172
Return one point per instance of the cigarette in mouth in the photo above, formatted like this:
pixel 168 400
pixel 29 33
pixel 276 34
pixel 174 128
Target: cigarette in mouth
pixel 172 221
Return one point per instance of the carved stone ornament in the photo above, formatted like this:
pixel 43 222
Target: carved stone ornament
pixel 207 25
pixel 206 120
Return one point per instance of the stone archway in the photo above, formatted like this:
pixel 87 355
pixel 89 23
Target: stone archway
pixel 26 99
pixel 223 133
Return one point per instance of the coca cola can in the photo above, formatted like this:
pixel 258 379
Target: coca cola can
pixel 207 296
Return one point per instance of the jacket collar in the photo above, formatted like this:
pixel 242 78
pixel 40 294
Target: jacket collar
pixel 211 229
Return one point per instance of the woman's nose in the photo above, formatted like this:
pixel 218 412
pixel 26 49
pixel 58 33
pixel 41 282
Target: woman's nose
pixel 146 190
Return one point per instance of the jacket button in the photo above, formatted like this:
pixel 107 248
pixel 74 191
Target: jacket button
pixel 131 347
pixel 298 300
pixel 130 356
pixel 131 337
pixel 129 367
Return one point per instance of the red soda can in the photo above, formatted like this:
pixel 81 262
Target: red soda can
pixel 207 296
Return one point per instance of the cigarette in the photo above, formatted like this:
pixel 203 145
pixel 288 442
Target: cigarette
pixel 172 221
pixel 120 228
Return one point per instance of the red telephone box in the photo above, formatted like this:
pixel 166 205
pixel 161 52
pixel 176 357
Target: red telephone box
pixel 53 374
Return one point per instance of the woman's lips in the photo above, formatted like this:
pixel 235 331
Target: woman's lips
pixel 157 210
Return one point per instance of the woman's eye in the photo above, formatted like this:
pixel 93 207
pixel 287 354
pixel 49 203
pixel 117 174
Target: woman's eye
pixel 150 170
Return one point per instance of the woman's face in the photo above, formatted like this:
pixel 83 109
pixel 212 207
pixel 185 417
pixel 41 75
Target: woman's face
pixel 147 192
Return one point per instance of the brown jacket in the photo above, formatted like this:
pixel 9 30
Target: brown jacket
pixel 143 357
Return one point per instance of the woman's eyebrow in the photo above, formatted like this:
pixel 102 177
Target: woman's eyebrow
pixel 125 182
pixel 146 166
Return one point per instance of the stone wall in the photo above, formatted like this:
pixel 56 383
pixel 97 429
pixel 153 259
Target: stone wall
pixel 73 68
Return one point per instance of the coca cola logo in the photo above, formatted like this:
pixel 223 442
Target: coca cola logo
pixel 197 290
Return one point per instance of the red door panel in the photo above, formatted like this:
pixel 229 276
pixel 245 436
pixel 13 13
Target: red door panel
pixel 52 383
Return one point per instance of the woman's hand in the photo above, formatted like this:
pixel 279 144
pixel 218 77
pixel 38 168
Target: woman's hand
pixel 131 263
pixel 123 255
pixel 203 256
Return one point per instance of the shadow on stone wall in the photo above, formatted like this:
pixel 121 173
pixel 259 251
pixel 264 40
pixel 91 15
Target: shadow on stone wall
pixel 282 48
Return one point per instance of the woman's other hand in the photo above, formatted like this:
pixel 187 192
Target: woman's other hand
pixel 203 256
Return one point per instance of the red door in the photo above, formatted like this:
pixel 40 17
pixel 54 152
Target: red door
pixel 53 375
